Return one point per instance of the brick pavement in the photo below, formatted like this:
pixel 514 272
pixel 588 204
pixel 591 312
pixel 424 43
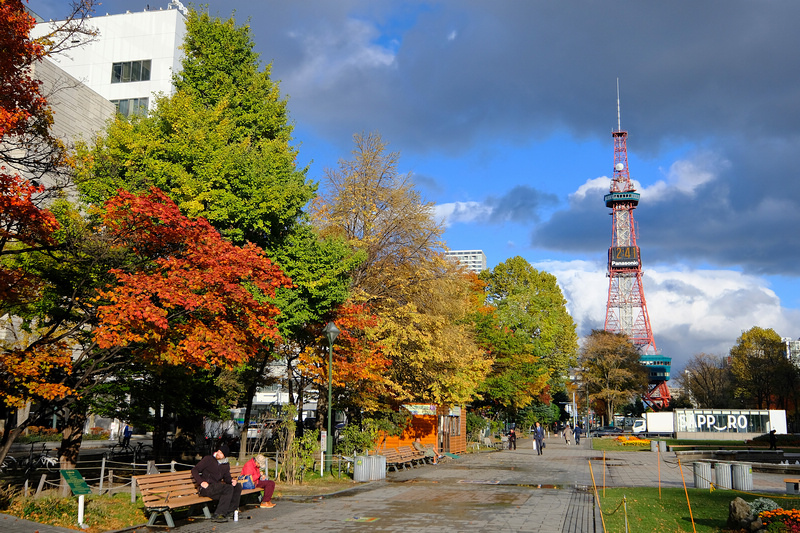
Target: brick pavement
pixel 513 491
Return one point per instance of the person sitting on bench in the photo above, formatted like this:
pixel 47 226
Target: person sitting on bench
pixel 429 452
pixel 212 475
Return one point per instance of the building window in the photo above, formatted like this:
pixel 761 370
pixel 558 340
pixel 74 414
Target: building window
pixel 131 106
pixel 128 71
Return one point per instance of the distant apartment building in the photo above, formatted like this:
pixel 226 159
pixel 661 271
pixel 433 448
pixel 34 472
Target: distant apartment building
pixel 472 260
pixel 132 58
pixel 792 350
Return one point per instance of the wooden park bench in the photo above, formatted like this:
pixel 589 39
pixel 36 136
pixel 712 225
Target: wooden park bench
pixel 394 459
pixel 415 456
pixel 792 485
pixel 163 493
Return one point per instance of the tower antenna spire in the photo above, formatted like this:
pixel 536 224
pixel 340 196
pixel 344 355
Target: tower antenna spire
pixel 619 122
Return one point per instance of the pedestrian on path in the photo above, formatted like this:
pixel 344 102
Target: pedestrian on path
pixel 512 440
pixel 538 436
pixel 567 433
pixel 577 434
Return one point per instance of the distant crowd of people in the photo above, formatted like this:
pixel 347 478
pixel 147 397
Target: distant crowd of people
pixel 567 432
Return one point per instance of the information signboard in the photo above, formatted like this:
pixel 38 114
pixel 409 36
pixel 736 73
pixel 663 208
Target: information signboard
pixel 76 482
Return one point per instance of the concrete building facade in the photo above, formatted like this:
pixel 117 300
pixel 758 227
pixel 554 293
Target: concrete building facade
pixel 133 57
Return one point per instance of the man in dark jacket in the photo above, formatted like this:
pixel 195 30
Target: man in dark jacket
pixel 538 436
pixel 212 475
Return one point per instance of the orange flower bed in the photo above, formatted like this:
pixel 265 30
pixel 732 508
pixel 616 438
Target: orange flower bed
pixel 632 440
pixel 790 518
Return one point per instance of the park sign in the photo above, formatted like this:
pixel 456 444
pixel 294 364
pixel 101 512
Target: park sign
pixel 76 482
pixel 420 409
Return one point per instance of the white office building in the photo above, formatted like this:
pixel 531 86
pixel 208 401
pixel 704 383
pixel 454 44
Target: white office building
pixel 792 350
pixel 132 58
pixel 472 260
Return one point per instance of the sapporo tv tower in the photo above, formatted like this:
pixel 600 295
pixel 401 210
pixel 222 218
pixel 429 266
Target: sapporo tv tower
pixel 626 311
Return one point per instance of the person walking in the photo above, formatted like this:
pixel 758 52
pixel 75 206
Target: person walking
pixel 577 432
pixel 773 440
pixel 538 437
pixel 567 433
pixel 127 433
pixel 512 440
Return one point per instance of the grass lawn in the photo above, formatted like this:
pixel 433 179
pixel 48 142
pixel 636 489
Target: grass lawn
pixel 647 513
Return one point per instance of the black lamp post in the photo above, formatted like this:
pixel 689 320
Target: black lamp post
pixel 331 332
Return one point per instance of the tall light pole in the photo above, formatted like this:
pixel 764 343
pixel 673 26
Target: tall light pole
pixel 331 332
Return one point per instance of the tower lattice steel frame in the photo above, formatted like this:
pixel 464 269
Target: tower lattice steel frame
pixel 626 311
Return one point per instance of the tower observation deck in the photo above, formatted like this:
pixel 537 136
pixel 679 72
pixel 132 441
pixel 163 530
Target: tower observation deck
pixel 626 311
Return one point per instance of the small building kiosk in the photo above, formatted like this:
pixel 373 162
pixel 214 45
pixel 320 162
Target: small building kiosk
pixel 444 427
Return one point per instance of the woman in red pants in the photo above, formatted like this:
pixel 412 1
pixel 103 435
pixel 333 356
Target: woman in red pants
pixel 255 475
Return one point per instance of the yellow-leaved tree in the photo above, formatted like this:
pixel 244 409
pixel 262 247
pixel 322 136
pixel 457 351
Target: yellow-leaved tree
pixel 421 299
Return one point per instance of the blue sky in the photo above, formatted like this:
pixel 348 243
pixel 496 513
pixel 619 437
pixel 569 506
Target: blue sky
pixel 503 111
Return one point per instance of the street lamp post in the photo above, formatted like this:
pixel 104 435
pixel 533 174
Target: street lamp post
pixel 331 332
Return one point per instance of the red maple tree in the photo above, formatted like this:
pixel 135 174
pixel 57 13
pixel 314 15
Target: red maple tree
pixel 20 99
pixel 193 298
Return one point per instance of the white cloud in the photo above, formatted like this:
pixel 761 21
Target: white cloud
pixel 452 35
pixel 690 310
pixel 464 212
pixel 333 52
pixel 685 176
pixel 591 188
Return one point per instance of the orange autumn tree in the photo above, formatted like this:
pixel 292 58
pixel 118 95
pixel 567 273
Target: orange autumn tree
pixel 196 299
pixel 29 368
pixel 24 118
pixel 179 296
pixel 359 366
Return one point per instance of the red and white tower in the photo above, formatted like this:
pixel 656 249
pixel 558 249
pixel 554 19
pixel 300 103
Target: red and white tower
pixel 626 311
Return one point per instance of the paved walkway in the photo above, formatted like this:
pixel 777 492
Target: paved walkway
pixel 503 491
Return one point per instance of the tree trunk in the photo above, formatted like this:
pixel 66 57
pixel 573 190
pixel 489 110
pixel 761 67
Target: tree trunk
pixel 250 393
pixel 71 438
pixel 10 437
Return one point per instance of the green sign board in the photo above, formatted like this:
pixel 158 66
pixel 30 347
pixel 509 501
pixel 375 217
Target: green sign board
pixel 76 482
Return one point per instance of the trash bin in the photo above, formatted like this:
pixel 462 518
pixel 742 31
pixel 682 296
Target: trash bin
pixel 378 470
pixel 361 468
pixel 722 473
pixel 742 474
pixel 702 475
pixel 653 445
pixel 662 445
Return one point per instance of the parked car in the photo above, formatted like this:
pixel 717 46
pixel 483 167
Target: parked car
pixel 606 430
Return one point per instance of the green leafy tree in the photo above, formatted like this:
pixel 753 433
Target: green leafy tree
pixel 759 363
pixel 219 147
pixel 612 370
pixel 531 334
